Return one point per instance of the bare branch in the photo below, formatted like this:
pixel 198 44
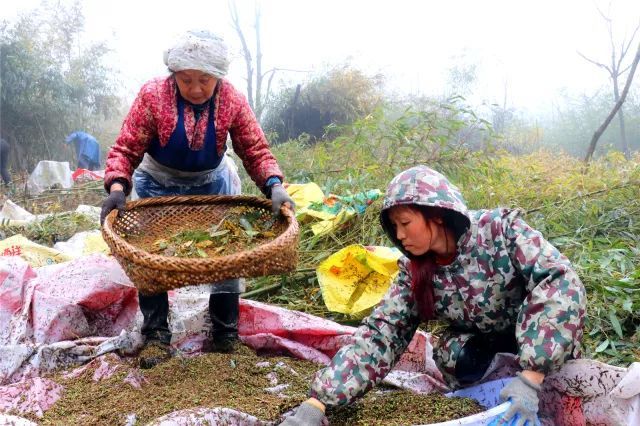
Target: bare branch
pixel 268 92
pixel 624 49
pixel 625 69
pixel 605 17
pixel 258 108
pixel 247 53
pixel 613 47
pixel 284 69
pixel 614 111
pixel 597 63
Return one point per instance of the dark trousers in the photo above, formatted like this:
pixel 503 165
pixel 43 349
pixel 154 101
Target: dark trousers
pixel 224 310
pixel 4 162
pixel 478 352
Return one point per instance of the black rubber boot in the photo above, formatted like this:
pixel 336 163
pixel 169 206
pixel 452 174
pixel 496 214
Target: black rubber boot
pixel 155 329
pixel 155 310
pixel 224 310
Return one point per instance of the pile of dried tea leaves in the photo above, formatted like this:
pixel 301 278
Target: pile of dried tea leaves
pixel 241 228
pixel 265 387
pixel 401 408
pixel 241 381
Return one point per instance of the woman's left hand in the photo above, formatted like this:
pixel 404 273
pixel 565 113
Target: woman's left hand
pixel 279 196
pixel 523 394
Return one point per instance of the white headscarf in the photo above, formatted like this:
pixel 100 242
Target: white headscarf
pixel 199 50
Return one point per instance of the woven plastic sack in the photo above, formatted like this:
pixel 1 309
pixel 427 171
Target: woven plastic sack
pixel 35 254
pixel 48 174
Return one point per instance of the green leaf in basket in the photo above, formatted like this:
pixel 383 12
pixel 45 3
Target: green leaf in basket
pixel 215 234
pixel 252 215
pixel 161 244
pixel 215 228
pixel 244 222
pixel 251 234
pixel 201 253
pixel 268 224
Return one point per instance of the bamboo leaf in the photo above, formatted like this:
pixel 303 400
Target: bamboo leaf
pixel 616 324
pixel 602 346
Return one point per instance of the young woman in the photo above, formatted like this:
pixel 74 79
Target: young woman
pixel 499 283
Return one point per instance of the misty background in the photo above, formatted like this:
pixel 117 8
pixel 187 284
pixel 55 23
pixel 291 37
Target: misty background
pixel 533 72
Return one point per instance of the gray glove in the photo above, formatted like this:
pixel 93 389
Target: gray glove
pixel 523 395
pixel 279 196
pixel 306 415
pixel 115 200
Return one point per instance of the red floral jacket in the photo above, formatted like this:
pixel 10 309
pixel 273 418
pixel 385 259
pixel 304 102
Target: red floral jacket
pixel 154 113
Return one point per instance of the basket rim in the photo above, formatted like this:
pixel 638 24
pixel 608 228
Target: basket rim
pixel 142 257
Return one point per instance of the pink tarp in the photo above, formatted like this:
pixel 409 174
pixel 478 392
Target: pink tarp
pixel 71 314
pixel 84 297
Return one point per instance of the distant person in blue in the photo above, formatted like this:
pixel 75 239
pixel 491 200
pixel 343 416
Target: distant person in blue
pixel 4 161
pixel 87 150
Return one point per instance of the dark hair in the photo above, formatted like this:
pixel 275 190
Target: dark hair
pixel 423 267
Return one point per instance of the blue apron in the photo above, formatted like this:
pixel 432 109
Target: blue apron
pixel 177 154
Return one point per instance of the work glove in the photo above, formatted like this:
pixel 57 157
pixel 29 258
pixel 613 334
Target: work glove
pixel 523 395
pixel 306 415
pixel 115 200
pixel 279 196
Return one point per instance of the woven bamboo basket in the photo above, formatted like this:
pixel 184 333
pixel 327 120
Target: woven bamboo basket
pixel 155 273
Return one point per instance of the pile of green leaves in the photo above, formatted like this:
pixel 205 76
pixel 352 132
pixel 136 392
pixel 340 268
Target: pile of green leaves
pixel 54 228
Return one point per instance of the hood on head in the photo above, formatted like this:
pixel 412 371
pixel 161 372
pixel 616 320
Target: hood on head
pixel 422 186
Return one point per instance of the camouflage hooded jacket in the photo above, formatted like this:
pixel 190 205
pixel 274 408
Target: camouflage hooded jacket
pixel 505 275
pixel 154 113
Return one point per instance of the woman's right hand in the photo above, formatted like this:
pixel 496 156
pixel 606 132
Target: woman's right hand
pixel 115 200
pixel 309 413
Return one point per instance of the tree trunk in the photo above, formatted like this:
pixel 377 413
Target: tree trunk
pixel 246 53
pixel 617 106
pixel 623 134
pixel 293 111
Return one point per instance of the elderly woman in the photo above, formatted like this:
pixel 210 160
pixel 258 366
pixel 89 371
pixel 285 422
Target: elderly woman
pixel 174 137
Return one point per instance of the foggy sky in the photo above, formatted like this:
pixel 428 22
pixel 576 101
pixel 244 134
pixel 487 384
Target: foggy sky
pixel 529 47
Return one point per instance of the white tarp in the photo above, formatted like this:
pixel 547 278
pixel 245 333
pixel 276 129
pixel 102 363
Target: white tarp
pixel 13 212
pixel 49 173
pixel 14 215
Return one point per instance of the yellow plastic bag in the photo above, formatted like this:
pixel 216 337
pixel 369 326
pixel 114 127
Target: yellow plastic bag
pixel 35 254
pixel 327 225
pixel 82 244
pixel 304 194
pixel 95 244
pixel 327 213
pixel 355 279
